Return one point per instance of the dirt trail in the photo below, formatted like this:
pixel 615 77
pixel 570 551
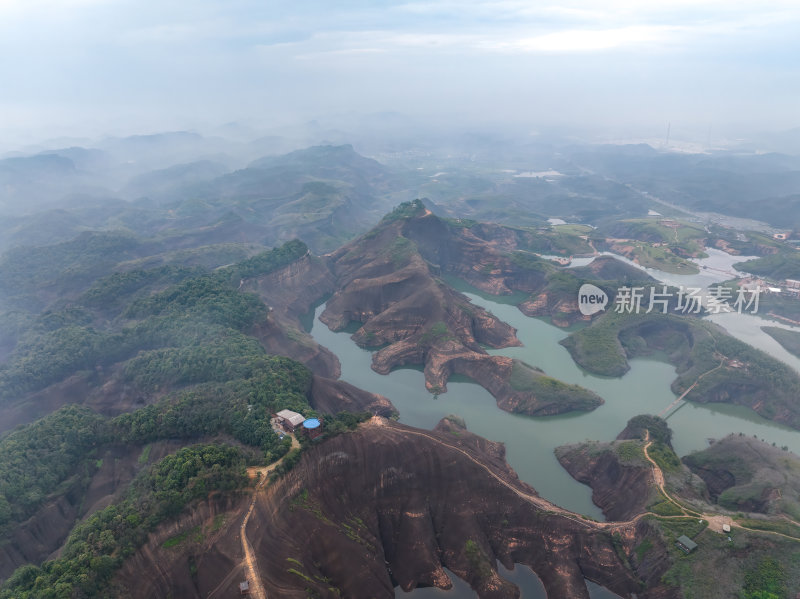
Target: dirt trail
pixel 715 521
pixel 658 476
pixel 250 563
pixel 539 502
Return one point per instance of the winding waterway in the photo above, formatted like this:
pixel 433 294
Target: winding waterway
pixel 715 268
pixel 644 389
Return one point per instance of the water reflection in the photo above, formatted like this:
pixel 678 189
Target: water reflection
pixel 522 576
pixel 645 389
pixel 460 590
pixel 716 268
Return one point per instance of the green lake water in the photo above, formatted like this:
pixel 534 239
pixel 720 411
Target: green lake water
pixel 526 580
pixel 644 389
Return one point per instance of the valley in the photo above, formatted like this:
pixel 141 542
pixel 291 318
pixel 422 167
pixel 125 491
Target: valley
pixel 447 360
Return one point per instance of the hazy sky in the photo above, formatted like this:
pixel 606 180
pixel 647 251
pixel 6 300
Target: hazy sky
pixel 89 66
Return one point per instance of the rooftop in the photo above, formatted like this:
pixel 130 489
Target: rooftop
pixel 293 417
pixel 686 543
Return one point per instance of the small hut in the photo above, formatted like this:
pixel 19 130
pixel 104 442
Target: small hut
pixel 290 420
pixel 686 544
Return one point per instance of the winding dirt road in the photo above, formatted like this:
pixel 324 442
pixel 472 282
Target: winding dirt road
pixel 539 502
pixel 250 563
pixel 715 521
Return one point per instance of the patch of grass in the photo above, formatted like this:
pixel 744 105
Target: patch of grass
pixel 572 229
pixel 647 423
pixel 738 496
pixel 630 451
pixel 642 549
pixel 675 527
pixel 195 533
pixel 400 250
pixel 665 508
pixel 549 390
pixel 663 258
pixel 664 456
pixel 144 457
pixel 721 569
pixel 304 501
pixel 438 332
pixel 460 223
pixel 597 347
pixel 774 525
pixel 478 560
pixel 619 549
pixel 353 529
pixel 300 574
pixel 219 521
pixel 766 581
pixel 530 262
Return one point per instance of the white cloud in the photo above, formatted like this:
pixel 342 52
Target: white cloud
pixel 586 40
pixel 168 54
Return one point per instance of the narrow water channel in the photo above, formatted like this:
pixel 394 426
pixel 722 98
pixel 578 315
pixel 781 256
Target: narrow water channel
pixel 644 389
pixel 530 442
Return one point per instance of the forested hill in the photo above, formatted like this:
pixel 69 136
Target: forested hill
pixel 166 358
pixel 172 311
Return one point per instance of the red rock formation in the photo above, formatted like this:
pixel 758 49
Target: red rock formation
pixel 389 505
pixel 330 397
pixel 290 293
pixel 621 489
pixel 385 284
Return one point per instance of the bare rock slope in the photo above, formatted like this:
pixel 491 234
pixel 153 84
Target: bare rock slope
pixel 389 505
pixel 388 288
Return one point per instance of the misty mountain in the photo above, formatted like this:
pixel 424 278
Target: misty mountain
pixel 29 181
pixel 84 159
pixel 172 182
pixel 324 195
pixel 138 147
pixel 757 186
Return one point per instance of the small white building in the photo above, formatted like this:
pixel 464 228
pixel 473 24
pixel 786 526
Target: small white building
pixel 290 420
